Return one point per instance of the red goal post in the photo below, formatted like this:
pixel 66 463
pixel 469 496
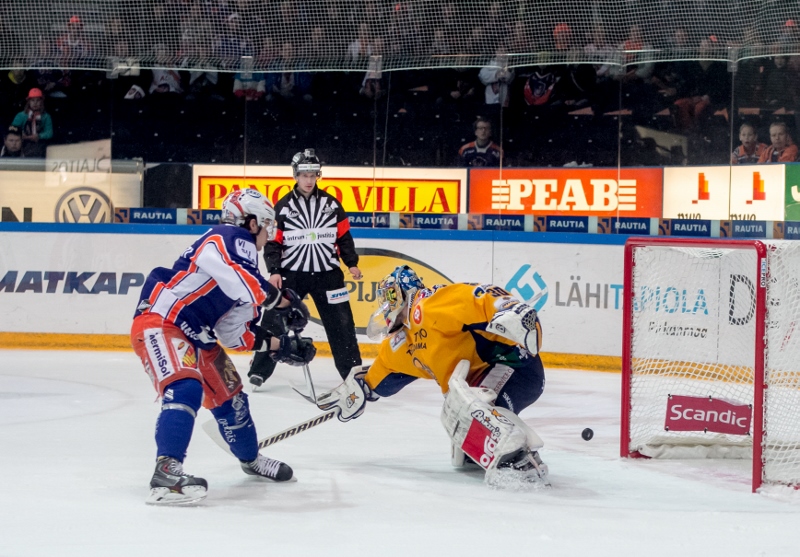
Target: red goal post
pixel 710 358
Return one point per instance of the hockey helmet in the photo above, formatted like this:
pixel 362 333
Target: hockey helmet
pixel 241 204
pixel 395 293
pixel 306 161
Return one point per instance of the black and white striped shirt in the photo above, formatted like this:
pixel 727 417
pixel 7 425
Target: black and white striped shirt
pixel 312 234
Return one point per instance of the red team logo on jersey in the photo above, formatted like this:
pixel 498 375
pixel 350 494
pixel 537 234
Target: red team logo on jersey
pixel 417 317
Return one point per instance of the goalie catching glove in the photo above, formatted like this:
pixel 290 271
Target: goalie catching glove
pixel 350 397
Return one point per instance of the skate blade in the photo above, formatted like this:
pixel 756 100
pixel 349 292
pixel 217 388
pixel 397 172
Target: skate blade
pixel 163 496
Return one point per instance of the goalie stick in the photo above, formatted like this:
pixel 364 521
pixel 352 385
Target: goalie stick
pixel 212 430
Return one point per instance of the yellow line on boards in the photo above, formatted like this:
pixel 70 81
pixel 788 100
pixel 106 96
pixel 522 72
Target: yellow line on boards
pixel 66 341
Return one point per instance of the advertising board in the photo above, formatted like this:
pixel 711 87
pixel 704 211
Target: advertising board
pixel 748 192
pixel 359 189
pixel 75 183
pixel 602 192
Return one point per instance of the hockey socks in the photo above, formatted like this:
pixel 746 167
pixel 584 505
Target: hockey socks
pixel 237 428
pixel 179 408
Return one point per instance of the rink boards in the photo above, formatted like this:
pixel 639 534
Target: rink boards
pixel 76 286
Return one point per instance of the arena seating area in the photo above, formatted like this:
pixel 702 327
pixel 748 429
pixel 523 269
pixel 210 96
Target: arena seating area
pixel 659 86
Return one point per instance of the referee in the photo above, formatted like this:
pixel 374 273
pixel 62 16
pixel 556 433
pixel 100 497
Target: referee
pixel 313 232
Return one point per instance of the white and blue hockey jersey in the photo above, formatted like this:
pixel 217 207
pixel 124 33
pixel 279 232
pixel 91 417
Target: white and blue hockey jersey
pixel 213 291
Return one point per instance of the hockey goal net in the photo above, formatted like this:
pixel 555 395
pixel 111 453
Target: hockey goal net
pixel 711 353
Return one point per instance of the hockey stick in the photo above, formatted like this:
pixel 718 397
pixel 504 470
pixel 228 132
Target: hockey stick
pixel 308 388
pixel 212 430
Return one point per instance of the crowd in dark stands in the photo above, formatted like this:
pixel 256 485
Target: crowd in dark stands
pixel 214 96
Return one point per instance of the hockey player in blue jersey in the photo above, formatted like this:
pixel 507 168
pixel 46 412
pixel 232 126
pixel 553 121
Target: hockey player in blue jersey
pixel 212 297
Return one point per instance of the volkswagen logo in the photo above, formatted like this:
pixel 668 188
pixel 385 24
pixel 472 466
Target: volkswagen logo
pixel 84 205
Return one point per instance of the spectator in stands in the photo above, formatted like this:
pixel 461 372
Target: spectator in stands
pixel 483 151
pixel 496 77
pixel 782 149
pixel 233 44
pixel 289 85
pixel 706 84
pixel 165 81
pixel 250 86
pixel 53 82
pixel 779 84
pixel 123 66
pixel 635 78
pixel 750 150
pixel 750 73
pixel 373 86
pixel 74 43
pixel 36 125
pixel 361 47
pixel 14 87
pixel 521 40
pixel 12 144
pixel 790 33
pixel 203 83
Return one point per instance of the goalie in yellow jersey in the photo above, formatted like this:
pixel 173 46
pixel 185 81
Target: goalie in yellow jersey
pixel 480 345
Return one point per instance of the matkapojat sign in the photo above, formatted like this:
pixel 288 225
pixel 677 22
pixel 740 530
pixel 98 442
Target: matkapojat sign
pixel 96 280
pixel 602 192
pixel 749 192
pixel 359 189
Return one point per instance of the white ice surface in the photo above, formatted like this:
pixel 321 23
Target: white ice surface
pixel 77 450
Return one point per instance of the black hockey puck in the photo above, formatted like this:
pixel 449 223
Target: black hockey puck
pixel 587 434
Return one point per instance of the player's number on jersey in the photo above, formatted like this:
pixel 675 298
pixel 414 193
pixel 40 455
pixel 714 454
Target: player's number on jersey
pixel 492 290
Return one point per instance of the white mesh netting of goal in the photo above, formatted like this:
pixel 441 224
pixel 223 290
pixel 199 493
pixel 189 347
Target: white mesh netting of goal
pixel 692 370
pixel 343 34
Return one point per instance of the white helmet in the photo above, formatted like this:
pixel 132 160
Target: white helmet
pixel 241 204
pixel 306 161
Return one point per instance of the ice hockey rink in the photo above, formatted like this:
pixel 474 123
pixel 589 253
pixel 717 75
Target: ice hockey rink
pixel 77 455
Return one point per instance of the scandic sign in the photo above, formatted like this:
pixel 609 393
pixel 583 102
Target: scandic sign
pixel 693 413
pixel 602 192
pixel 356 195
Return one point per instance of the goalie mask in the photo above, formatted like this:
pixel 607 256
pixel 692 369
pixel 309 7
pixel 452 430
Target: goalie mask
pixel 241 204
pixel 306 161
pixel 395 294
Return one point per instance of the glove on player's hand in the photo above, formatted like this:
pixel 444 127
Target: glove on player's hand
pixel 295 315
pixel 294 350
pixel 350 397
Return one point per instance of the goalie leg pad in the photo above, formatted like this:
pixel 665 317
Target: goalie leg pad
pixel 237 427
pixel 484 433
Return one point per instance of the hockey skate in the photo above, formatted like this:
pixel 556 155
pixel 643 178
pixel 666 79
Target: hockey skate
pixel 170 486
pixel 256 381
pixel 520 470
pixel 268 468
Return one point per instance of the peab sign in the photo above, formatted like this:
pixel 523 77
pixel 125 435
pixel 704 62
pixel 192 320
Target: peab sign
pixel 604 192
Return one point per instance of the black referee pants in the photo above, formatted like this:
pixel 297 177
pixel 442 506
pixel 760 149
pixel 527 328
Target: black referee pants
pixel 337 318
